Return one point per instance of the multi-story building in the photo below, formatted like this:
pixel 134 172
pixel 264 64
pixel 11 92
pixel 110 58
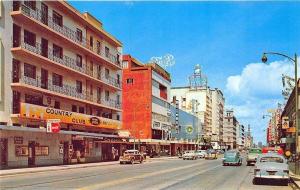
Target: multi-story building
pixel 218 102
pixel 240 136
pixel 146 97
pixel 230 130
pixel 248 139
pixel 197 101
pixel 57 63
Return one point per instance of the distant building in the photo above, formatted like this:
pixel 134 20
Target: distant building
pixel 260 144
pixel 248 139
pixel 230 130
pixel 240 132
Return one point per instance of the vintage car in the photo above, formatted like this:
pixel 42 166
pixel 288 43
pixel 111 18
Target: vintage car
pixel 271 166
pixel 211 155
pixel 189 155
pixel 131 156
pixel 200 154
pixel 232 158
pixel 253 153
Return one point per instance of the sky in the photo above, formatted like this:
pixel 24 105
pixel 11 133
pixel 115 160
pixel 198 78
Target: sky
pixel 226 38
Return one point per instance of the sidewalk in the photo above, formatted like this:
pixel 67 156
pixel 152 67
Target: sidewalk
pixel 67 167
pixel 295 179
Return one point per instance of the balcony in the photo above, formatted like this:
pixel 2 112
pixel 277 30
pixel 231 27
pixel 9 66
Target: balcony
pixel 66 61
pixel 67 91
pixel 46 25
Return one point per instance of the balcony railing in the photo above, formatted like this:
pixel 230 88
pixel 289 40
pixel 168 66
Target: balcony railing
pixel 68 33
pixel 69 62
pixel 67 90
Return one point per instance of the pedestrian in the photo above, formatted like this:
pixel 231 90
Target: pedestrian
pixel 78 155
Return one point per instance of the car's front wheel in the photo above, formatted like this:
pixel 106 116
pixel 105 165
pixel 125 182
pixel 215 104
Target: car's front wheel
pixel 131 161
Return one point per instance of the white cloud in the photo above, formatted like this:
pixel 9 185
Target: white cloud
pixel 255 90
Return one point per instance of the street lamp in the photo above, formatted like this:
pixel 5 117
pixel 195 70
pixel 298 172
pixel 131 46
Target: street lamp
pixel 264 59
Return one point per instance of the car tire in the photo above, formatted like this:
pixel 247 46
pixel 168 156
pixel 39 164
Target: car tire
pixel 141 161
pixel 131 161
pixel 248 164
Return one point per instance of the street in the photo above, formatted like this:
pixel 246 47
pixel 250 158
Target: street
pixel 156 174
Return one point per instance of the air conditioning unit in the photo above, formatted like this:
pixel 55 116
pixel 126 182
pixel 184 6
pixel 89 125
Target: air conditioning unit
pixel 48 101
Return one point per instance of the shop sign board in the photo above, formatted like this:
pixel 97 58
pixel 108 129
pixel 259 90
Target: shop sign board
pixel 291 130
pixel 53 125
pixel 285 122
pixel 31 111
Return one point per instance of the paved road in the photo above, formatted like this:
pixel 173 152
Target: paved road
pixel 162 174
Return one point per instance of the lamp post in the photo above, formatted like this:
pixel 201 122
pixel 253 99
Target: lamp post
pixel 294 60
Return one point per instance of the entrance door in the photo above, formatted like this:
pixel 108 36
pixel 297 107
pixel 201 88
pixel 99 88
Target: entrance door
pixel 3 152
pixel 44 14
pixel 44 46
pixel 31 153
pixel 66 153
pixel 44 78
pixel 16 35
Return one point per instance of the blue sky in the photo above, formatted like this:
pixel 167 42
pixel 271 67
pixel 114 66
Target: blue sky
pixel 225 38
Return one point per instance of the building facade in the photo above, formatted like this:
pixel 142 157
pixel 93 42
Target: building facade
pixel 146 97
pixel 240 136
pixel 218 102
pixel 57 63
pixel 230 130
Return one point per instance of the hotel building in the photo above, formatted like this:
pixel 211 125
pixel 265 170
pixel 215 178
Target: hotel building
pixel 57 63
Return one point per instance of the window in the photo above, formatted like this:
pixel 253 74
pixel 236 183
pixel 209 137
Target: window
pixel 78 86
pixel 118 117
pixel 57 51
pixel 91 90
pixel 57 105
pixel 91 41
pixel 118 79
pixel 81 110
pixel 57 19
pixel 41 150
pixel 79 60
pixel 33 99
pixel 118 99
pixel 29 38
pixel 98 47
pixel 106 51
pixel 118 58
pixel 74 108
pixel 106 73
pixel 79 35
pixel 30 4
pixel 107 95
pixel 98 94
pixel 129 81
pixel 29 70
pixel 57 80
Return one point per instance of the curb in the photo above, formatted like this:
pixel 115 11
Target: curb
pixel 66 167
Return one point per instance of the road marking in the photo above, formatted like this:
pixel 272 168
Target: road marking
pixel 124 180
pixel 170 183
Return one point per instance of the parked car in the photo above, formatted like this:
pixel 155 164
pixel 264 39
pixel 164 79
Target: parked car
pixel 131 156
pixel 252 155
pixel 189 155
pixel 271 166
pixel 200 154
pixel 204 152
pixel 232 157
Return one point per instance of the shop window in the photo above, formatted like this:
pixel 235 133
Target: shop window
pixel 57 105
pixel 29 38
pixel 78 86
pixel 57 19
pixel 79 60
pixel 21 150
pixel 74 108
pixel 41 150
pixel 81 110
pixel 30 4
pixel 57 80
pixel 57 51
pixel 29 70
pixel 79 35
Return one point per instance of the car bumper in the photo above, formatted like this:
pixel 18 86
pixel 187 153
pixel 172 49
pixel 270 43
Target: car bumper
pixel 271 177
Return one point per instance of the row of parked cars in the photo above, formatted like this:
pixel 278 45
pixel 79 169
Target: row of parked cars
pixel 195 154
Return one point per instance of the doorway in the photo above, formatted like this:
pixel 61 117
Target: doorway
pixel 66 153
pixel 31 153
pixel 3 152
pixel 44 46
pixel 16 35
pixel 44 14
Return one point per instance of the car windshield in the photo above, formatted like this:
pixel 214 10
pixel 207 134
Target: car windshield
pixel 230 154
pixel 258 151
pixel 271 159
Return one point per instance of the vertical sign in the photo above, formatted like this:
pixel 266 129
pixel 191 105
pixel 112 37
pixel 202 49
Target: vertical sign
pixel 53 125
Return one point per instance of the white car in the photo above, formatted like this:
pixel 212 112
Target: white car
pixel 189 155
pixel 204 152
pixel 200 154
pixel 271 166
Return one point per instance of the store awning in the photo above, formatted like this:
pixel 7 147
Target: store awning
pixel 43 130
